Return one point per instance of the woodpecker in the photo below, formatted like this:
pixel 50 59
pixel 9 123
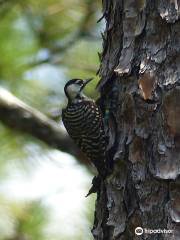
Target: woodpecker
pixel 83 121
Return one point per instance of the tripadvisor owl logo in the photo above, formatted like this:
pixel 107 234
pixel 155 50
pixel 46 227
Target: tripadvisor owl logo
pixel 139 231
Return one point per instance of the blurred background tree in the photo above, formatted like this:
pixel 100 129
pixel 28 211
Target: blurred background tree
pixel 42 45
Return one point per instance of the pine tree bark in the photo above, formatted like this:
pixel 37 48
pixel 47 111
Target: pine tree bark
pixel 140 95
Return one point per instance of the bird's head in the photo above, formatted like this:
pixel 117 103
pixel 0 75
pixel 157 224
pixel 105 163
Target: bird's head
pixel 74 88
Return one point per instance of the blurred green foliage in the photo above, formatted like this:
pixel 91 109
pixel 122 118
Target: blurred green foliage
pixel 42 45
pixel 29 219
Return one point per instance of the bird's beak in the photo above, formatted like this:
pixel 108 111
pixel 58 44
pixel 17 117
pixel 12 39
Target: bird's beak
pixel 86 81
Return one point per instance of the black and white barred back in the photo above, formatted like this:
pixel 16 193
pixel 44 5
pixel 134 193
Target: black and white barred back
pixel 84 123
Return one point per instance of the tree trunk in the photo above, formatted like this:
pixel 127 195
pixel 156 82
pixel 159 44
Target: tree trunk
pixel 140 95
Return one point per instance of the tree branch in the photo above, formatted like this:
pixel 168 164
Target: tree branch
pixel 19 116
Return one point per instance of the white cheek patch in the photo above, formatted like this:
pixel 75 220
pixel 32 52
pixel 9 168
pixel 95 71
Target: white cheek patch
pixel 73 90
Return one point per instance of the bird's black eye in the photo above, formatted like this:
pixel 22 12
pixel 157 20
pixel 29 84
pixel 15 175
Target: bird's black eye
pixel 79 82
